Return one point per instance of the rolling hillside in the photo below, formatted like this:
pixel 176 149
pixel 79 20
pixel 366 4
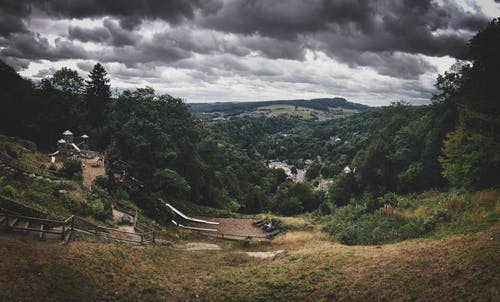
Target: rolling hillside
pixel 326 108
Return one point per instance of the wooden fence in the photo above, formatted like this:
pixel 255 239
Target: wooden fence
pixel 22 218
pixel 62 228
pixel 112 234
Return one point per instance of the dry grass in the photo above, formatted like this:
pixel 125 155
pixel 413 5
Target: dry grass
pixel 295 237
pixel 461 267
pixel 292 223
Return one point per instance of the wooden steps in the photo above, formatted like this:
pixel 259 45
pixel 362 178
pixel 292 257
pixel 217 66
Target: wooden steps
pixel 38 227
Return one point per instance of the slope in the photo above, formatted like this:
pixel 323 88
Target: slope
pixel 463 267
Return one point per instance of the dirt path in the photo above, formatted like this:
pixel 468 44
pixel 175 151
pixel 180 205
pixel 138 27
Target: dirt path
pixel 90 172
pixel 198 246
pixel 232 228
pixel 117 216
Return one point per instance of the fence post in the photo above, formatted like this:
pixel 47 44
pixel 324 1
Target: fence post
pixel 135 220
pixel 63 231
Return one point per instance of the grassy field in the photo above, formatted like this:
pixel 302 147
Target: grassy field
pixel 304 112
pixel 310 268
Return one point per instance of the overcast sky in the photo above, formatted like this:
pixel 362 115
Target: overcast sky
pixel 371 52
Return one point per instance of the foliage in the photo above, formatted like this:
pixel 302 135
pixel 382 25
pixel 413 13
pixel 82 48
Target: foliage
pixel 404 217
pixel 9 191
pixel 470 155
pixel 72 169
pixel 343 189
pixel 166 152
pixel 292 199
pixel 98 93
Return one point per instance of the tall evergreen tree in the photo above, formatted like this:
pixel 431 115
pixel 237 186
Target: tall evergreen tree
pixel 98 92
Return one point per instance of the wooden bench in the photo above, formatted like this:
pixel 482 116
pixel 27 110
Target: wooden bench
pixel 272 234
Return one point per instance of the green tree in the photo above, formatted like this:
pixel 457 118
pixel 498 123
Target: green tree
pixel 470 155
pixel 67 81
pixel 313 171
pixel 172 185
pixel 343 188
pixel 471 159
pixel 98 93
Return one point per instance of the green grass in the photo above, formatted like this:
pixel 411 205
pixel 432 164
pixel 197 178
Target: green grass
pixel 430 214
pixel 22 155
pixel 304 112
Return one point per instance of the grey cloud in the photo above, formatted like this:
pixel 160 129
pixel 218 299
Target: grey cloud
pixel 42 73
pixel 111 33
pixel 275 49
pixel 17 63
pixel 129 12
pixel 34 47
pixel 387 35
pixel 367 20
pixel 85 66
pixel 119 36
pixel 97 34
pixel 142 71
pixel 12 14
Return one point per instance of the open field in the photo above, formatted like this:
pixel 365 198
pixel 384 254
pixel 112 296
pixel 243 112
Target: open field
pixel 308 267
pixel 304 112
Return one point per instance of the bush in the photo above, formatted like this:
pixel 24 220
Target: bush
pixel 93 204
pixel 355 224
pixel 72 169
pixel 9 191
pixel 101 181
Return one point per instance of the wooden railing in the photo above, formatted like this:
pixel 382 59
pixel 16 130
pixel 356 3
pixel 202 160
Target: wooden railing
pixel 62 228
pixel 112 234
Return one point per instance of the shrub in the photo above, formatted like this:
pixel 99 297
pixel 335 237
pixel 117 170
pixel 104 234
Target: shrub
pixel 356 224
pixel 72 169
pixel 9 190
pixel 91 205
pixel 101 181
pixel 75 202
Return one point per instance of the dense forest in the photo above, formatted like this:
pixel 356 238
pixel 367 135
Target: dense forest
pixel 166 151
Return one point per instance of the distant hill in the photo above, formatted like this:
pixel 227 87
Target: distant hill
pixel 323 108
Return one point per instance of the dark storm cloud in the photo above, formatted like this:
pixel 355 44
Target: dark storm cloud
pixel 97 34
pixel 387 35
pixel 111 33
pixel 390 25
pixel 398 65
pixel 12 14
pixel 131 12
pixel 34 47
